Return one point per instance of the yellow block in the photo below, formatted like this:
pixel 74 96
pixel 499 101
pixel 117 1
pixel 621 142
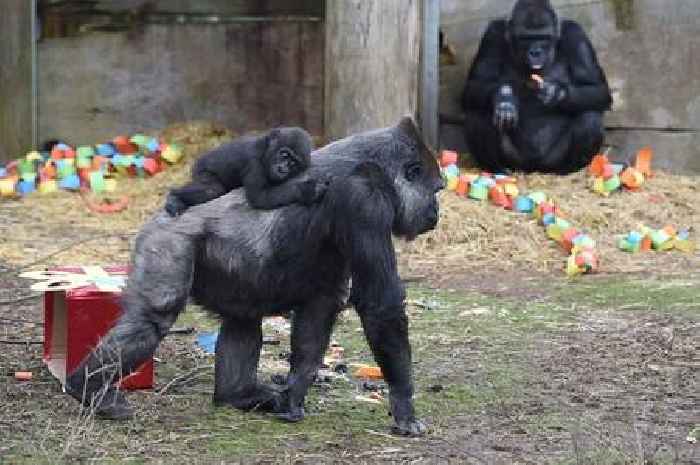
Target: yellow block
pixel 171 154
pixel 511 190
pixel 7 187
pixel 48 186
pixel 110 184
pixel 452 183
pixel 34 155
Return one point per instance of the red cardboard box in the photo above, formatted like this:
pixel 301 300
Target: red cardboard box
pixel 76 319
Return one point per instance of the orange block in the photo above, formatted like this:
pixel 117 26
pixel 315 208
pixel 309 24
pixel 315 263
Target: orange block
pixel 498 197
pixel 670 230
pixel 462 185
pixel 23 375
pixel 598 165
pixel 629 180
pixel 645 246
pixel 369 372
pixel 643 163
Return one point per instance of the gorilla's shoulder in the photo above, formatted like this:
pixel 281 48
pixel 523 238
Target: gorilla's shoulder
pixel 571 28
pixel 497 27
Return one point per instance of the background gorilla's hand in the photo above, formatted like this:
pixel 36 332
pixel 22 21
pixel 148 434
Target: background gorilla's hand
pixel 505 109
pixel 551 92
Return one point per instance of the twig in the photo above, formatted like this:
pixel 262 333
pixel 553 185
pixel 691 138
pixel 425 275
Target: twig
pixel 63 249
pixel 19 299
pixel 188 330
pixel 19 343
pixel 183 377
pixel 20 320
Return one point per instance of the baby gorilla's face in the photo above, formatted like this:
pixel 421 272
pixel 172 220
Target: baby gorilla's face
pixel 288 153
pixel 284 164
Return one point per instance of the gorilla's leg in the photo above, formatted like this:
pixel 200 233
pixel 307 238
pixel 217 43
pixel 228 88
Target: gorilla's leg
pixel 576 146
pixel 492 150
pixel 203 188
pixel 311 333
pixel 132 340
pixel 237 356
pixel 156 292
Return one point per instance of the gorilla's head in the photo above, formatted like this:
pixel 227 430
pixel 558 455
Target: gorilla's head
pixel 287 153
pixel 417 180
pixel 533 33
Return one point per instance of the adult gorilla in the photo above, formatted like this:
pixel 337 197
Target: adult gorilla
pixel 243 264
pixel 535 94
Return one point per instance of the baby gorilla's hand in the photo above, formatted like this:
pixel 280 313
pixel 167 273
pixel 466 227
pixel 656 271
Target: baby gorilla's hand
pixel 313 190
pixel 174 206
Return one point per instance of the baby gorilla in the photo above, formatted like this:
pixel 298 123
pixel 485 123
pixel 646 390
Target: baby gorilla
pixel 263 165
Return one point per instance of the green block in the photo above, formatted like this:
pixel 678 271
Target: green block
pixel 612 184
pixel 84 151
pixel 478 192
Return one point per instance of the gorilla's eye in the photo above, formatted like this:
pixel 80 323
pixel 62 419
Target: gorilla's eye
pixel 414 171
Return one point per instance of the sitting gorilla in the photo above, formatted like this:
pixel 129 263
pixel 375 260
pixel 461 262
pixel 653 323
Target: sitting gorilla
pixel 535 94
pixel 243 264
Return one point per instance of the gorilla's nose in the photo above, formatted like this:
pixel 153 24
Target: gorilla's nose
pixel 535 53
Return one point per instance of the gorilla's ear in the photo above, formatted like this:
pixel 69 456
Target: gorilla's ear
pixel 407 124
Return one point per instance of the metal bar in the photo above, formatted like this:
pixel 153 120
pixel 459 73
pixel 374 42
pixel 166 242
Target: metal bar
pixel 429 73
pixel 35 79
pixel 190 18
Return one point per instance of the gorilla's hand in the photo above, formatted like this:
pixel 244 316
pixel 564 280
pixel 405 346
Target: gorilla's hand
pixel 551 92
pixel 174 205
pixel 505 109
pixel 313 190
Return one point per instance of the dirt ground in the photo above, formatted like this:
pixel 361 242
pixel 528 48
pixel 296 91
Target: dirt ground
pixel 514 363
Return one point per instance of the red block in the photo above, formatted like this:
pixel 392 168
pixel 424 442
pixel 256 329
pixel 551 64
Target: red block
pixel 74 322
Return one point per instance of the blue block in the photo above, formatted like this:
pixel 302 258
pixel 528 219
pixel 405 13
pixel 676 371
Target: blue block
pixel 634 237
pixel 105 150
pixel 207 341
pixel 25 187
pixel 71 182
pixel 153 145
pixel 61 146
pixel 548 218
pixel 452 170
pixel 3 172
pixel 524 204
pixel 138 162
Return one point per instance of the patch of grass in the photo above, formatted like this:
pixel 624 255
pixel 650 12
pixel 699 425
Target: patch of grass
pixel 675 296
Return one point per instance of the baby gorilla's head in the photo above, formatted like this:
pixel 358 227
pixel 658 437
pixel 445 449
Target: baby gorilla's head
pixel 288 153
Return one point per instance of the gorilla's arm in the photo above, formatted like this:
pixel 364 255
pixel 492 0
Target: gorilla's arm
pixel 365 205
pixel 261 195
pixel 588 90
pixel 486 73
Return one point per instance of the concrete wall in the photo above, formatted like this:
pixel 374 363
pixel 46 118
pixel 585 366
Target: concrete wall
pixel 15 79
pixel 247 75
pixel 650 50
pixel 371 63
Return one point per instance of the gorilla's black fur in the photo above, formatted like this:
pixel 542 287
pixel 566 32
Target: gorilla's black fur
pixel 263 165
pixel 512 122
pixel 243 264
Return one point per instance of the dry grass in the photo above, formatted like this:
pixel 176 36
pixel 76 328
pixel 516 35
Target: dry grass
pixel 58 228
pixel 476 235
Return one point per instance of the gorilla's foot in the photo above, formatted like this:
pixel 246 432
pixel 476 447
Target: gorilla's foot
pixel 293 415
pixel 409 427
pixel 108 403
pixel 114 406
pixel 260 398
